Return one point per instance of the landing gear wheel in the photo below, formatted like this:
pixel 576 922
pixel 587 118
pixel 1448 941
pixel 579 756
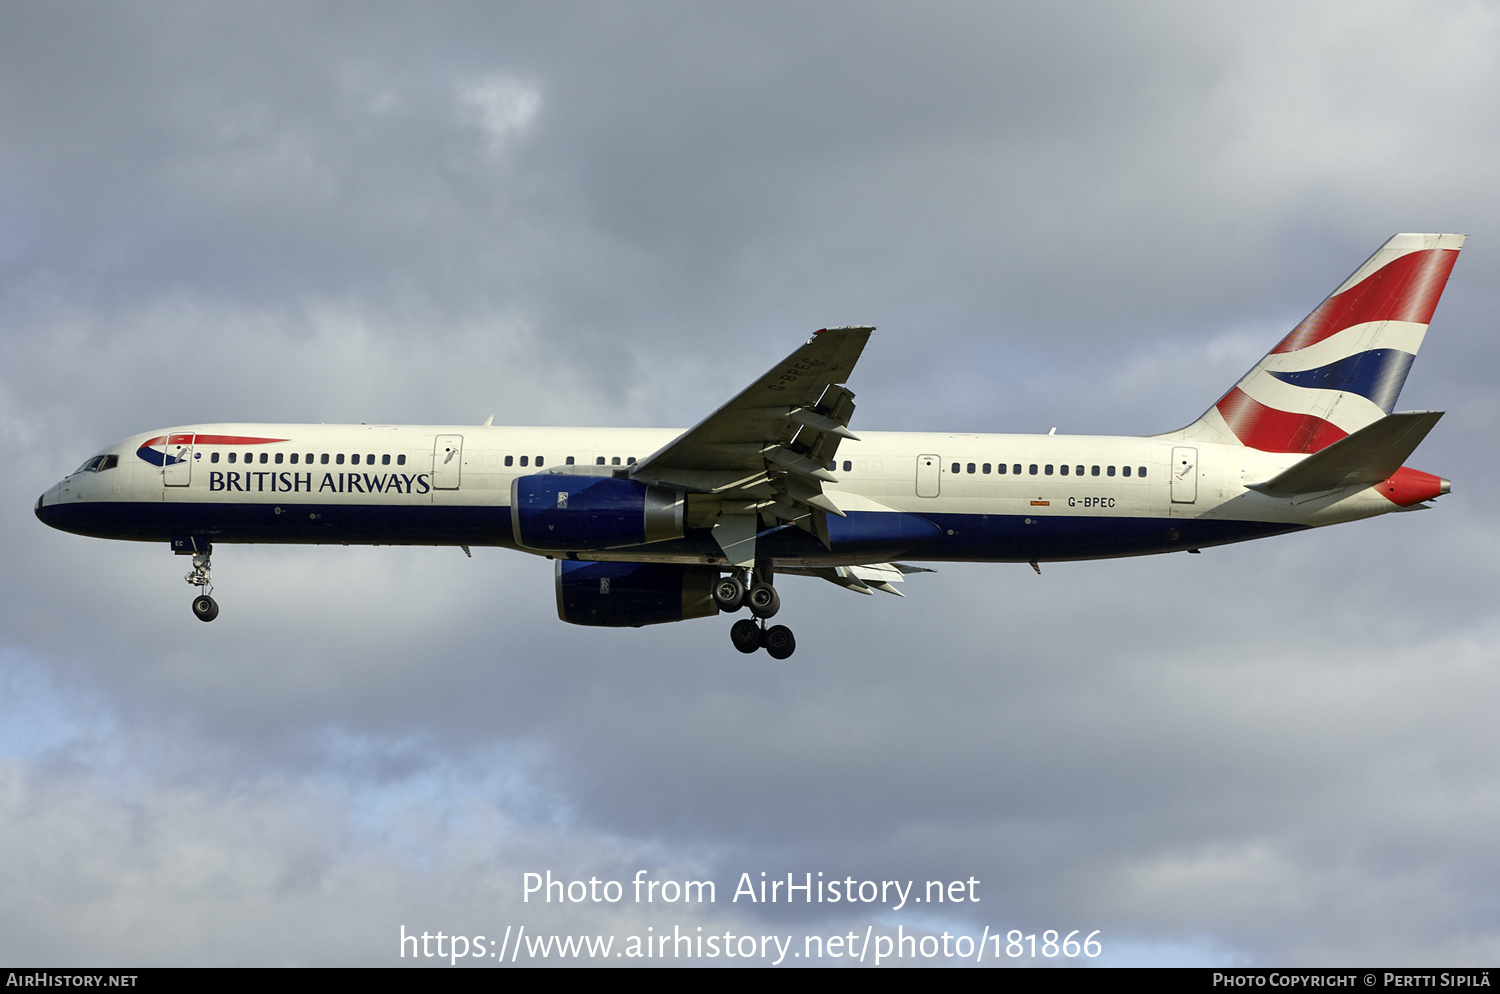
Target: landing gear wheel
pixel 764 601
pixel 745 635
pixel 780 643
pixel 205 608
pixel 729 594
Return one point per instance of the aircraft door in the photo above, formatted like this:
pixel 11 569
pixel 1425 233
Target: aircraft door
pixel 447 460
pixel 928 470
pixel 177 467
pixel 1184 475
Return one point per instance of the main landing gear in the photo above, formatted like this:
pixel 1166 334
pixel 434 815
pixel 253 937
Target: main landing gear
pixel 205 608
pixel 750 634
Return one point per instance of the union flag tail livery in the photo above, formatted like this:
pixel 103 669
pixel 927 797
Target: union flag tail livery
pixel 1342 368
pixel 649 526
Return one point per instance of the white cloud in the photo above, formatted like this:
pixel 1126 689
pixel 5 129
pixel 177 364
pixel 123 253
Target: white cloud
pixel 501 107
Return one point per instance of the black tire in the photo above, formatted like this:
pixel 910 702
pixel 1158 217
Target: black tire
pixel 205 608
pixel 780 643
pixel 745 635
pixel 729 594
pixel 764 601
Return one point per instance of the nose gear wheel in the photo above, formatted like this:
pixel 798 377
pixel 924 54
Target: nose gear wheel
pixel 205 608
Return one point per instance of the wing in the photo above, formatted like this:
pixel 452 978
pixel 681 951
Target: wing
pixel 763 457
pixel 860 579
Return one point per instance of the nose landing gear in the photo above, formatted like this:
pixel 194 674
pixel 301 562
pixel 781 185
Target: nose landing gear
pixel 205 608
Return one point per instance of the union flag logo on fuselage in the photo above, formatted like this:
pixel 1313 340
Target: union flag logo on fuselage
pixel 168 450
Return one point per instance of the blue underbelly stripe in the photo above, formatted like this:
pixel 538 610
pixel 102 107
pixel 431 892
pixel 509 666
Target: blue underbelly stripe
pixel 864 536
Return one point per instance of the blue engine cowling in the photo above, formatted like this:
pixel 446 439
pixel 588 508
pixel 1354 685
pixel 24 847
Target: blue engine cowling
pixel 629 595
pixel 561 513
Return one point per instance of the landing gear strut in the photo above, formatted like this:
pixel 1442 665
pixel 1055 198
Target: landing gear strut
pixel 205 608
pixel 749 634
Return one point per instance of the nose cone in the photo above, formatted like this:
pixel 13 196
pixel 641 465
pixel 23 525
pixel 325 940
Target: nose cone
pixel 46 506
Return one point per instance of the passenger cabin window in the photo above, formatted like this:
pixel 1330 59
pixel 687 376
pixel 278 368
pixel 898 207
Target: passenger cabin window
pixel 1141 471
pixel 339 459
pixel 294 459
pixel 971 467
pixel 539 460
pixel 1110 471
pixel 214 457
pixel 401 459
pixel 615 461
pixel 385 460
pixel 570 461
pixel 323 459
pixel 599 461
pixel 509 460
pixel 523 460
pixel 233 456
pixel 1125 471
pixel 1064 469
pixel 279 457
pixel 1000 468
pixel 630 461
pixel 848 465
pixel 955 467
pixel 985 469
pixel 1033 469
pixel 1049 469
pixel 1093 470
pixel 354 459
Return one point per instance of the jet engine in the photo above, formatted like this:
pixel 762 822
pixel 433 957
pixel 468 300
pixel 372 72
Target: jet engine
pixel 562 513
pixel 629 595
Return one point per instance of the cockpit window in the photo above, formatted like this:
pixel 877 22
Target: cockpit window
pixel 98 464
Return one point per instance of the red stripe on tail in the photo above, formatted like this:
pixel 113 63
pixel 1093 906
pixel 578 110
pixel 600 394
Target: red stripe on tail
pixel 1406 289
pixel 1271 430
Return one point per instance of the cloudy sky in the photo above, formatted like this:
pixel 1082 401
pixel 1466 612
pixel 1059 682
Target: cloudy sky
pixel 1093 216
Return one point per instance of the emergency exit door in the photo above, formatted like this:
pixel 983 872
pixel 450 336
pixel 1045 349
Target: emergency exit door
pixel 447 461
pixel 929 470
pixel 1184 475
pixel 177 466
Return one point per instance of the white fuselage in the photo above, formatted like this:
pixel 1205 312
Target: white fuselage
pixel 915 495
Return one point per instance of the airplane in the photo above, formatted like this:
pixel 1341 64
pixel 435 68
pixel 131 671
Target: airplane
pixel 648 526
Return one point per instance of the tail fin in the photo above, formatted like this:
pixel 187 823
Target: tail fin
pixel 1343 366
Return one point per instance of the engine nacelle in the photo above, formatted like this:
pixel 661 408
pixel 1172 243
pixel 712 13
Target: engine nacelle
pixel 561 513
pixel 629 595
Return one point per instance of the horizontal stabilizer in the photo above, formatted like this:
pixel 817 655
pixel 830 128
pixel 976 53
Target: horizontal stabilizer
pixel 1365 458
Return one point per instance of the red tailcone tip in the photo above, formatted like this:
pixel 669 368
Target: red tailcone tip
pixel 1412 486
